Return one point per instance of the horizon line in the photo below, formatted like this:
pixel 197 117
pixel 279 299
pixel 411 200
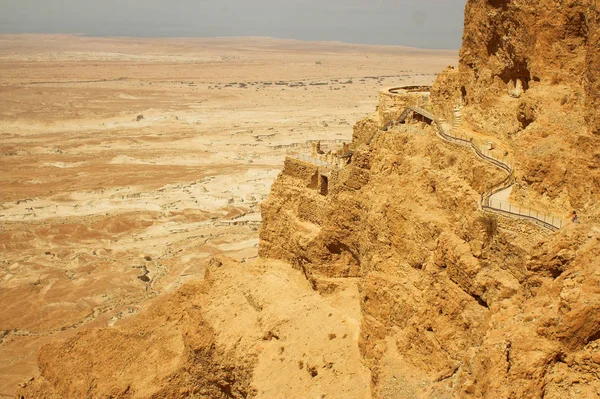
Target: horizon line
pixel 339 42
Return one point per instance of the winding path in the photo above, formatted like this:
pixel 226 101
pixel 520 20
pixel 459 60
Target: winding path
pixel 494 200
pixel 491 200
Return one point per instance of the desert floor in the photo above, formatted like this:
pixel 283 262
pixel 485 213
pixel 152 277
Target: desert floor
pixel 101 212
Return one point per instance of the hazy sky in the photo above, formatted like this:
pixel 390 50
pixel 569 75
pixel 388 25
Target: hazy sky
pixel 417 23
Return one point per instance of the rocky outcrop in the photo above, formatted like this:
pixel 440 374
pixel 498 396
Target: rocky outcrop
pixel 168 351
pixel 528 74
pixel 446 93
pixel 532 42
pixel 545 344
pixel 457 303
pixel 255 331
pixel 353 229
pixel 452 302
pixel 592 78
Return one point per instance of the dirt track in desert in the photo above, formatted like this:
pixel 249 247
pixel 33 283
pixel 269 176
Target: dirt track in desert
pixel 126 164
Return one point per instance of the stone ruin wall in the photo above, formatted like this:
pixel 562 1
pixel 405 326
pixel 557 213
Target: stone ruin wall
pixel 301 170
pixel 392 104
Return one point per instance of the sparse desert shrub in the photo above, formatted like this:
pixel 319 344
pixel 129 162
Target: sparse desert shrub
pixel 432 186
pixel 490 226
pixel 564 100
pixel 451 159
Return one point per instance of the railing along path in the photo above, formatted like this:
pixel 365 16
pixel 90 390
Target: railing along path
pixel 488 203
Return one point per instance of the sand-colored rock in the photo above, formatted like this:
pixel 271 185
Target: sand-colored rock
pixel 592 78
pixel 467 306
pixel 528 76
pixel 434 297
pixel 451 308
pixel 257 331
pixel 101 211
pixel 438 299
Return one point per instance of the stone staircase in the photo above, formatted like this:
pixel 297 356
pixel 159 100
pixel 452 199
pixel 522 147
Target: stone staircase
pixel 458 121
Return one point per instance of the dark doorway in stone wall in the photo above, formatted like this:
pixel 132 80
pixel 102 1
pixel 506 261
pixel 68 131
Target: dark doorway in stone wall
pixel 519 70
pixel 323 185
pixel 314 181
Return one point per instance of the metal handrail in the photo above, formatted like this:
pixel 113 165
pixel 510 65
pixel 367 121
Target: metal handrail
pixel 487 203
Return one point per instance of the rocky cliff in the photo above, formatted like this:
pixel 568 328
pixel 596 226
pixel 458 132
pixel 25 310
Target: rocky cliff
pixel 592 78
pixel 528 74
pixel 254 331
pixel 456 302
pixel 403 286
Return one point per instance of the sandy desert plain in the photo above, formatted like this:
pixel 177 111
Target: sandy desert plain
pixel 126 164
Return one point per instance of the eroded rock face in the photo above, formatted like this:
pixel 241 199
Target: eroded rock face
pixel 457 303
pixel 246 331
pixel 454 303
pixel 524 41
pixel 355 228
pixel 543 345
pixel 528 74
pixel 446 93
pixel 168 351
pixel 592 78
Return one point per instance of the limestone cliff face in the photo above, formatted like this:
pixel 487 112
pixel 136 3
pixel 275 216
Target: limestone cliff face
pixel 530 41
pixel 168 351
pixel 454 302
pixel 457 303
pixel 592 78
pixel 246 331
pixel 388 206
pixel 528 74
